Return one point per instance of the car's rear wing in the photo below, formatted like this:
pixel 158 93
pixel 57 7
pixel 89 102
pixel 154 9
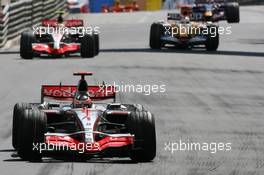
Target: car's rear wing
pixel 66 92
pixel 178 17
pixel 67 23
pixel 174 16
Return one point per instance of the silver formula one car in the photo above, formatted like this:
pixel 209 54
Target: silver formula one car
pixel 69 123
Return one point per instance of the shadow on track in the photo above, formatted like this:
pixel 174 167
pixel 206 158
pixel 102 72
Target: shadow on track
pixel 7 150
pixel 9 52
pixel 166 50
pixel 98 161
pixel 188 51
pixel 80 159
pixel 44 57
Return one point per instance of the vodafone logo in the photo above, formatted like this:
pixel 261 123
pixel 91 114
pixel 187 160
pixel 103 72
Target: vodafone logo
pixel 94 91
pixel 59 93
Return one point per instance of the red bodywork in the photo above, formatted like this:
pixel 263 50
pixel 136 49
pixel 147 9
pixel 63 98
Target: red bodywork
pixel 47 48
pixel 65 48
pixel 107 142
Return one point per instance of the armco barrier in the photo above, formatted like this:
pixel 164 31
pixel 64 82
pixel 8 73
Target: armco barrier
pixel 22 15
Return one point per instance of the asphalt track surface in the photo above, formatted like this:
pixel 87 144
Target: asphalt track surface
pixel 216 97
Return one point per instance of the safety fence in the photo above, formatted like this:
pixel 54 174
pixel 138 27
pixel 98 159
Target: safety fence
pixel 22 15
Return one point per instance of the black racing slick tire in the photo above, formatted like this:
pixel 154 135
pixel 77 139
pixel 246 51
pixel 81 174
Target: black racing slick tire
pixel 232 12
pixel 139 107
pixel 31 134
pixel 17 112
pixel 26 51
pixel 156 32
pixel 96 44
pixel 142 125
pixel 87 46
pixel 134 107
pixel 212 41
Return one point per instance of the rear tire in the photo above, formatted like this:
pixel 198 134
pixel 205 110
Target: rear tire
pixel 17 112
pixel 232 12
pixel 87 46
pixel 139 107
pixel 212 41
pixel 142 125
pixel 96 43
pixel 134 107
pixel 156 31
pixel 26 51
pixel 33 128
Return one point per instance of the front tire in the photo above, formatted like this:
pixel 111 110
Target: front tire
pixel 17 114
pixel 26 51
pixel 96 44
pixel 87 46
pixel 33 128
pixel 142 125
pixel 232 12
pixel 212 41
pixel 156 31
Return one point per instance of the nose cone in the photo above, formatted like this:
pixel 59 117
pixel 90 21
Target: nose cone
pixel 57 40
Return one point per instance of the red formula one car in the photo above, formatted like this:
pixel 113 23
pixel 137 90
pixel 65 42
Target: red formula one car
pixel 59 37
pixel 68 123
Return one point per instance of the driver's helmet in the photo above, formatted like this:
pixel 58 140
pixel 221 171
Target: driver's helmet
pixel 60 22
pixel 60 26
pixel 186 11
pixel 82 100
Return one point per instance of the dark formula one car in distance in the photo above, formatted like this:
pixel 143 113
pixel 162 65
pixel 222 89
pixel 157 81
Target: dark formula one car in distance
pixel 69 121
pixel 184 31
pixel 55 38
pixel 216 10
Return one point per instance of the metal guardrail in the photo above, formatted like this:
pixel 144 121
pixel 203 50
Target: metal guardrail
pixel 20 16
